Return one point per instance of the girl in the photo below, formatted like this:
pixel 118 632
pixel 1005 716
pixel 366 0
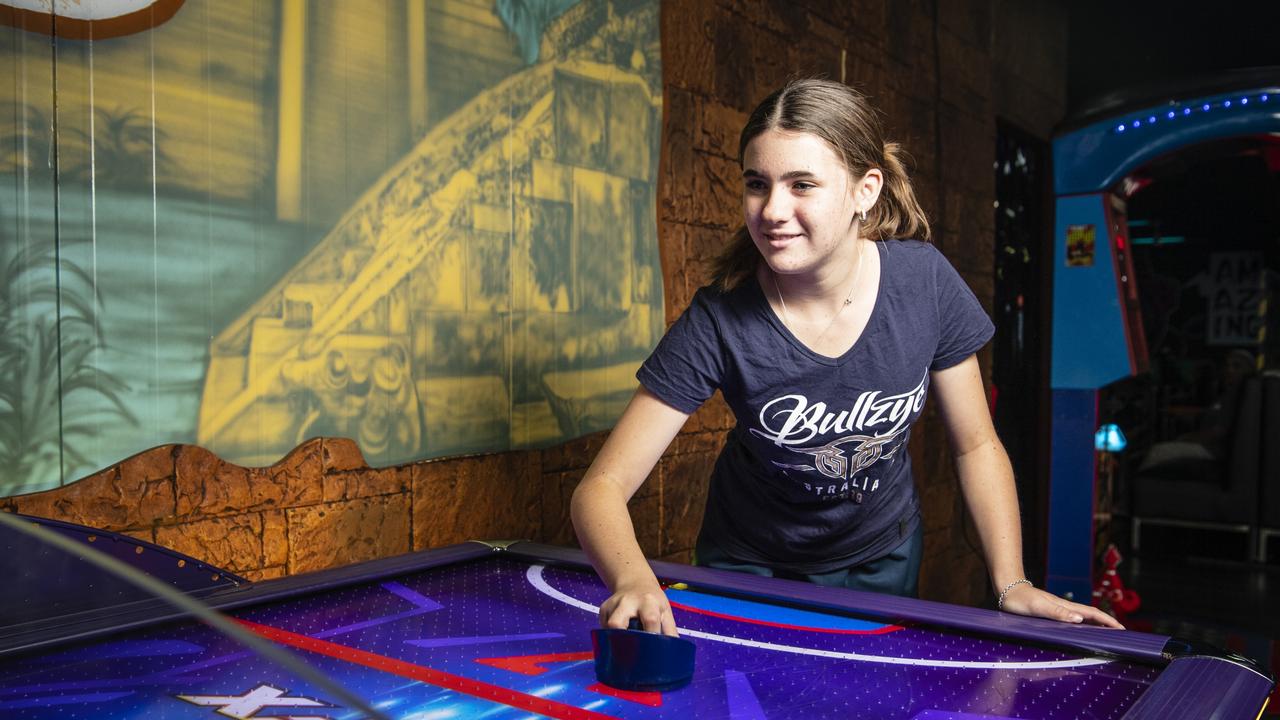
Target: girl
pixel 824 332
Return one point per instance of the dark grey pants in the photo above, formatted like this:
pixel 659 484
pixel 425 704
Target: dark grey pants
pixel 897 573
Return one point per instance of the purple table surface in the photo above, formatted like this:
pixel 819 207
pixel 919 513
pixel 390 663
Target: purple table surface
pixel 470 631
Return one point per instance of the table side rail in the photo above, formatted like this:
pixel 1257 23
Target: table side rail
pixel 1195 687
pixel 1139 646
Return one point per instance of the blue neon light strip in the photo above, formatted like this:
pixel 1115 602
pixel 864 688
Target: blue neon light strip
pixel 1179 110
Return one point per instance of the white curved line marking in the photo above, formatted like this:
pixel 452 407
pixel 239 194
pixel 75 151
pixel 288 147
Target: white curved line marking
pixel 535 578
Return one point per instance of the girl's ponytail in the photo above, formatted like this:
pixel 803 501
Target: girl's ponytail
pixel 897 214
pixel 736 262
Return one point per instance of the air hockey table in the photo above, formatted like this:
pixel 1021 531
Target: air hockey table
pixel 485 630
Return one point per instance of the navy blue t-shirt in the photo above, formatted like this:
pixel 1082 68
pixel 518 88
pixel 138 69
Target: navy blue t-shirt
pixel 815 476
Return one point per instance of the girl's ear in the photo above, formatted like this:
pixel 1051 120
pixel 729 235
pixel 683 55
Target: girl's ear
pixel 867 190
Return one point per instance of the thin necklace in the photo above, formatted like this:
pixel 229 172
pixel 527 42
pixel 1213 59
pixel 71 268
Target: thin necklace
pixel 848 300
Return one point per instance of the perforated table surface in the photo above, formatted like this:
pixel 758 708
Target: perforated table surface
pixel 470 631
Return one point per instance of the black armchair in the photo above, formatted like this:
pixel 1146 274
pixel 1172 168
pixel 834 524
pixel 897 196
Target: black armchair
pixel 1213 484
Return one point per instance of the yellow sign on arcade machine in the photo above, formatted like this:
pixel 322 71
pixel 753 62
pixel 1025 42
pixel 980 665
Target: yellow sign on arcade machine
pixel 1080 245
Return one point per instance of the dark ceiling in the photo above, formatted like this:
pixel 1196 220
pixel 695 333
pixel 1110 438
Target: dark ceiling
pixel 1129 44
pixel 1119 49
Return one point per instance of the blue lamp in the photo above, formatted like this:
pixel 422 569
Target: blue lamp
pixel 1109 438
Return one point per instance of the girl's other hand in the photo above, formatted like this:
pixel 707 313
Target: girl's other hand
pixel 1028 600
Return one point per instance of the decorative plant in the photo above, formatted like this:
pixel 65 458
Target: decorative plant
pixel 123 151
pixel 27 142
pixel 46 356
pixel 49 330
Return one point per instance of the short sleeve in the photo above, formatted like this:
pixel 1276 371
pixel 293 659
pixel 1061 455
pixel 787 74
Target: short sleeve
pixel 964 327
pixel 688 365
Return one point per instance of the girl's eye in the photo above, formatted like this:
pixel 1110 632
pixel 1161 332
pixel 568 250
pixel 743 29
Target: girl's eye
pixel 803 186
pixel 755 185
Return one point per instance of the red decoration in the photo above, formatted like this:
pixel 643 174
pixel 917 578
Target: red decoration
pixel 1109 592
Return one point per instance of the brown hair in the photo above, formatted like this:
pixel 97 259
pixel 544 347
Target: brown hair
pixel 842 117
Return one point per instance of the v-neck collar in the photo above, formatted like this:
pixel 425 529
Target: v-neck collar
pixel 782 328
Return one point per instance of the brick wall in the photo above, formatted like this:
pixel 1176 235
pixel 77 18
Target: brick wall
pixel 942 73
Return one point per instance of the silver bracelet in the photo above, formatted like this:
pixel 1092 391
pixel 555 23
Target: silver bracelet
pixel 1007 588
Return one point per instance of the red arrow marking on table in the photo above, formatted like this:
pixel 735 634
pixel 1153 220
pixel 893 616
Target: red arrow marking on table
pixel 652 699
pixel 449 681
pixel 532 664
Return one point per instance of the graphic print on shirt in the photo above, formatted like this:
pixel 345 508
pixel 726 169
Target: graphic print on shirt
pixel 874 429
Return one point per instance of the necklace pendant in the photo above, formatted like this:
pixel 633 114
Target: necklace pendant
pixel 848 301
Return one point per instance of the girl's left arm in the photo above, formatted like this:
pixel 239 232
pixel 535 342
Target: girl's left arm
pixel 986 481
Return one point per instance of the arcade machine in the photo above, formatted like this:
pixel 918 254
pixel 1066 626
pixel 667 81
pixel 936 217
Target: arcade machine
pixel 1097 327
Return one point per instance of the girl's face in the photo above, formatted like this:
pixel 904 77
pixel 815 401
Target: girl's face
pixel 799 203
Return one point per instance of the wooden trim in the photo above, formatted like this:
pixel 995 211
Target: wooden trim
pixel 48 23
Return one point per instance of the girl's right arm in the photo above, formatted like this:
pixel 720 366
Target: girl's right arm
pixel 601 520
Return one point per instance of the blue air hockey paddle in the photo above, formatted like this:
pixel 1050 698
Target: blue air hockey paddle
pixel 636 660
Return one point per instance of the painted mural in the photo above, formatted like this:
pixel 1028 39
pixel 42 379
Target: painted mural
pixel 426 225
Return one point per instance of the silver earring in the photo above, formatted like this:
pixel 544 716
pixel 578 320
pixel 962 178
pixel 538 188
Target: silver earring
pixel 862 214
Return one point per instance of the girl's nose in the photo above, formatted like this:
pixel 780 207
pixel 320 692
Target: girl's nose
pixel 777 206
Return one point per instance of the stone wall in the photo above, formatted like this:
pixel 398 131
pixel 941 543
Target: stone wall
pixel 321 506
pixel 941 73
